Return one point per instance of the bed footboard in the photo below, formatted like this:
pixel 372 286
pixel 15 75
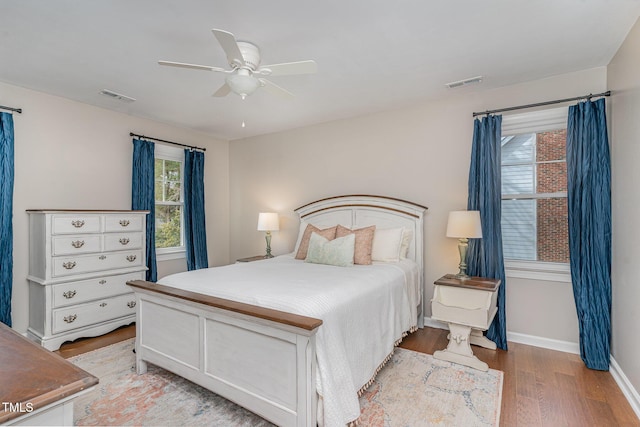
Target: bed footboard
pixel 264 360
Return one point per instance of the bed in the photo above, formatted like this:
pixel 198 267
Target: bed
pixel 293 341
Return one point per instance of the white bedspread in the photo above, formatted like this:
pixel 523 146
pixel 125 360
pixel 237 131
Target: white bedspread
pixel 364 309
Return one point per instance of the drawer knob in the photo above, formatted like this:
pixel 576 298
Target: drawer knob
pixel 69 294
pixel 102 257
pixel 104 304
pixel 131 304
pixel 70 319
pixel 124 222
pixel 102 282
pixel 124 241
pixel 69 264
pixel 77 244
pixel 77 223
pixel 131 258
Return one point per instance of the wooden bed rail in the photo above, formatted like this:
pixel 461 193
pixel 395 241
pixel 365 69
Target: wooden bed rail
pixel 295 320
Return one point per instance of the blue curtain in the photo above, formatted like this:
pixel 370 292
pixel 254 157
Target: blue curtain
pixel 6 216
pixel 589 206
pixel 484 256
pixel 143 197
pixel 194 219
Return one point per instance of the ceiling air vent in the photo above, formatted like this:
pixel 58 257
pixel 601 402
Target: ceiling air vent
pixel 118 96
pixel 464 82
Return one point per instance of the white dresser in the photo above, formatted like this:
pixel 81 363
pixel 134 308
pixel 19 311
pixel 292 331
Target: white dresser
pixel 79 263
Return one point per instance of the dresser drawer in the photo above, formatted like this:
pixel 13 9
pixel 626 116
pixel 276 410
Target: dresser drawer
pixel 122 241
pixel 75 224
pixel 69 266
pixel 77 316
pixel 86 290
pixel 123 222
pixel 82 244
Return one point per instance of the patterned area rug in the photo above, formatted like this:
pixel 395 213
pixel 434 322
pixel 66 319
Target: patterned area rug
pixel 413 389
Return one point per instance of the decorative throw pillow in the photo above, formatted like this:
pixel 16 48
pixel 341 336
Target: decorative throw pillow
pixel 327 233
pixel 338 252
pixel 364 242
pixel 386 244
pixel 301 229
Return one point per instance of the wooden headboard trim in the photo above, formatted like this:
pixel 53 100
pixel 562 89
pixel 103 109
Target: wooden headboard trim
pixel 362 195
pixel 356 205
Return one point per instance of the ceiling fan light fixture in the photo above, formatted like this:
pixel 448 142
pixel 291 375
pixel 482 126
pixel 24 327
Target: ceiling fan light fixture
pixel 242 83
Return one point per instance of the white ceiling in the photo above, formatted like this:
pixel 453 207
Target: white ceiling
pixel 372 55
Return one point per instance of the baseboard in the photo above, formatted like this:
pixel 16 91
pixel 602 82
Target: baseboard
pixel 632 395
pixel 551 344
pixel 625 386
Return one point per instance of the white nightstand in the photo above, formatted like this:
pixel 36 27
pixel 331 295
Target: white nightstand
pixel 468 306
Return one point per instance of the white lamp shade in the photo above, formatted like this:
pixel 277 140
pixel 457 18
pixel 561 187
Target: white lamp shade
pixel 464 224
pixel 268 221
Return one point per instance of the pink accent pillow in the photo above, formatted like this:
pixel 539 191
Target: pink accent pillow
pixel 327 233
pixel 364 242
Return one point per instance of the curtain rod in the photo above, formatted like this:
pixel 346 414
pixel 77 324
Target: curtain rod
pixel 167 142
pixel 17 110
pixel 539 104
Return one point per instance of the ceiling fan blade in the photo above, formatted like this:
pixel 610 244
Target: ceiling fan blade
pixel 191 66
pixel 230 47
pixel 275 89
pixel 223 91
pixel 289 68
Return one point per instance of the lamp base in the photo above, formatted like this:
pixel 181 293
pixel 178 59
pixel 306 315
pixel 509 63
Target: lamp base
pixel 268 239
pixel 463 244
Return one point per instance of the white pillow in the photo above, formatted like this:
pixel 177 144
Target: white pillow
pixel 407 234
pixel 337 252
pixel 386 244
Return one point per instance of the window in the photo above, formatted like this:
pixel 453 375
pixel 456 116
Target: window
pixel 534 195
pixel 169 207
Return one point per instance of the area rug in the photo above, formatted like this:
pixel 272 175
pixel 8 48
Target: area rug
pixel 413 389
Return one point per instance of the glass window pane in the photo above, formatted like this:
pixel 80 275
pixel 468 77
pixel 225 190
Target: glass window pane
pixel 519 229
pixel 168 221
pixel 552 177
pixel 172 170
pixel 551 145
pixel 517 179
pixel 553 230
pixel 158 191
pixel 518 148
pixel 172 189
pixel 158 168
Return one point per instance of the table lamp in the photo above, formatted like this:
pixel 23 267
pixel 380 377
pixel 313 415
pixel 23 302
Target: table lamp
pixel 464 225
pixel 268 221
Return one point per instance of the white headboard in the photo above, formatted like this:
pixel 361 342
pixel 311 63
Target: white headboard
pixel 356 211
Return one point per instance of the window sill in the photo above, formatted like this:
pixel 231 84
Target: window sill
pixel 166 256
pixel 546 271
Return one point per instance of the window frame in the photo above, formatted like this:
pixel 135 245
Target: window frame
pixel 534 122
pixel 165 152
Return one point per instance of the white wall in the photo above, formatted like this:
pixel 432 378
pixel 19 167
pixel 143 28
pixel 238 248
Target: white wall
pixel 70 155
pixel 624 81
pixel 420 153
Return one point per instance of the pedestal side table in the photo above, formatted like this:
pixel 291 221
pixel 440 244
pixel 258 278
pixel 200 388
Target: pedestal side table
pixel 467 305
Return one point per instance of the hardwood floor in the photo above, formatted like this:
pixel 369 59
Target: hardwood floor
pixel 541 387
pixel 84 345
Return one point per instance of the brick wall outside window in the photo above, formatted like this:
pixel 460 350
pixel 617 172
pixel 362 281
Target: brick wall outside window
pixel 552 225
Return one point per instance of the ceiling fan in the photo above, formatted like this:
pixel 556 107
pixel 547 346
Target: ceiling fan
pixel 246 75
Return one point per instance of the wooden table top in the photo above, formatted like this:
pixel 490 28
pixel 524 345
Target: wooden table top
pixel 478 283
pixel 31 374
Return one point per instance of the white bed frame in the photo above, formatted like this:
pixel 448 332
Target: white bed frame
pixel 262 359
